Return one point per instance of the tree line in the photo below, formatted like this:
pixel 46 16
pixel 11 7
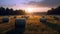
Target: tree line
pixel 7 11
pixel 54 11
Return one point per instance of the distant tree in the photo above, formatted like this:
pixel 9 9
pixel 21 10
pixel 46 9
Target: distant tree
pixel 2 10
pixel 22 12
pixel 8 11
pixel 53 11
pixel 11 11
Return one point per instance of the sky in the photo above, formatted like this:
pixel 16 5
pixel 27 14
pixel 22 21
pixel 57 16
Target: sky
pixel 36 5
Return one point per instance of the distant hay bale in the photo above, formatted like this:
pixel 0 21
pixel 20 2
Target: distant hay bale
pixel 56 17
pixel 22 16
pixel 5 19
pixel 42 19
pixel 14 16
pixel 19 23
pixel 26 17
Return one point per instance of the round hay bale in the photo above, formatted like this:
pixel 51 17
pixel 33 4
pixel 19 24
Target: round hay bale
pixel 20 25
pixel 5 19
pixel 20 22
pixel 56 18
pixel 43 20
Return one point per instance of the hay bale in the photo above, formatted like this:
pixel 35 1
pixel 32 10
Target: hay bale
pixel 26 17
pixel 14 16
pixel 5 19
pixel 56 17
pixel 42 19
pixel 20 22
pixel 20 25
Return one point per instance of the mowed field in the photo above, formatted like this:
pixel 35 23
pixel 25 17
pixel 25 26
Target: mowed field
pixel 33 25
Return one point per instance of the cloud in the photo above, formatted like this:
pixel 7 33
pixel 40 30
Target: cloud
pixel 45 3
pixel 36 3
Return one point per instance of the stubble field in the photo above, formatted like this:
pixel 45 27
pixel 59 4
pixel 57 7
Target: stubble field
pixel 32 26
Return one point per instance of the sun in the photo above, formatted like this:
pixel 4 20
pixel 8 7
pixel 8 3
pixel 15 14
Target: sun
pixel 29 10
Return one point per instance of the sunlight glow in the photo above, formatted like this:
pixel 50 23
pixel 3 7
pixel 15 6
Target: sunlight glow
pixel 29 10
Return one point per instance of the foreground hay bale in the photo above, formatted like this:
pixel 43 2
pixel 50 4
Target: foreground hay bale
pixel 20 22
pixel 20 25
